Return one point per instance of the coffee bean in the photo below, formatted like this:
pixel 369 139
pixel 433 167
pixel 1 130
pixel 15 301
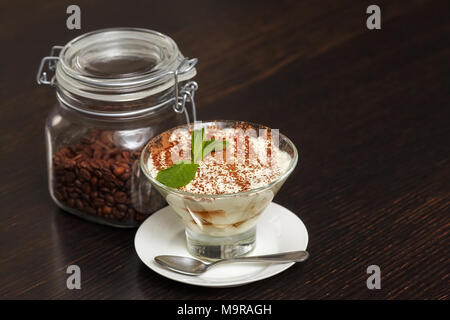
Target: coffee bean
pixel 69 164
pixel 86 188
pixel 120 197
pixel 97 154
pixel 125 177
pixel 119 214
pixel 126 156
pixel 109 177
pixel 98 173
pixel 94 164
pixel 90 210
pixel 109 198
pixel 139 216
pixel 120 184
pixel 105 190
pixel 85 174
pixel 110 184
pixel 107 210
pixel 98 202
pixel 106 138
pixel 88 140
pixel 122 207
pixel 74 195
pixel 119 171
pixel 71 202
pixel 79 204
pixel 84 164
pixel 58 195
pixel 70 176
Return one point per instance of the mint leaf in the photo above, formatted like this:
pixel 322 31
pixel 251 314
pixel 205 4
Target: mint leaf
pixel 178 175
pixel 197 145
pixel 213 145
pixel 205 143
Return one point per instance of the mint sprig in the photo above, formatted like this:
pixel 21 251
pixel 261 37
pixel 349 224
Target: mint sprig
pixel 180 174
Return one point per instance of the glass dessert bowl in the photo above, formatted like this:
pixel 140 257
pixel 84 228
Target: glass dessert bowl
pixel 233 183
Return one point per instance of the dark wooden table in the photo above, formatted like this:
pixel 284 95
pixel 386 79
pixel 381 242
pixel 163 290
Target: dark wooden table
pixel 368 110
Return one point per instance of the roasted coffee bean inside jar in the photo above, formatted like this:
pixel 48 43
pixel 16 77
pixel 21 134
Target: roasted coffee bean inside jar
pixel 98 178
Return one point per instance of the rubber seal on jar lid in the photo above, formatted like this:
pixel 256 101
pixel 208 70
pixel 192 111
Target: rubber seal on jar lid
pixel 121 64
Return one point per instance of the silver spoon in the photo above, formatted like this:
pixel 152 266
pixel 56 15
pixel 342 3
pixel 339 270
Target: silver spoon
pixel 196 267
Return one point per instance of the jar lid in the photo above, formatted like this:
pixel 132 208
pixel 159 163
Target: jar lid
pixel 121 64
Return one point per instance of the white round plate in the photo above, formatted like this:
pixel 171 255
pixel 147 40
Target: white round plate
pixel 278 230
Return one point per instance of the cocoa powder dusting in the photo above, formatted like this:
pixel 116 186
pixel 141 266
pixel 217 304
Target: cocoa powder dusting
pixel 250 163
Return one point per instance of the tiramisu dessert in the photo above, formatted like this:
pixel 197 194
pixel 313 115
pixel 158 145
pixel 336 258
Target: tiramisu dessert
pixel 224 170
pixel 240 160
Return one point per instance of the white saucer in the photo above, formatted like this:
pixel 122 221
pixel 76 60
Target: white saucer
pixel 278 230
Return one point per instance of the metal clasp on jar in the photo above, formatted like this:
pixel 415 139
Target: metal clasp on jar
pixel 186 95
pixel 52 60
pixel 187 92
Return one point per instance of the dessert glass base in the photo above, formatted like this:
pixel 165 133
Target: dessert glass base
pixel 213 248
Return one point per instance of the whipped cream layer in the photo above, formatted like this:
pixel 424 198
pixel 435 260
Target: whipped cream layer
pixel 251 160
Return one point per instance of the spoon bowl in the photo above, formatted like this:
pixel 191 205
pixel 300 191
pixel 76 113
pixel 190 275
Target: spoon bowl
pixel 184 265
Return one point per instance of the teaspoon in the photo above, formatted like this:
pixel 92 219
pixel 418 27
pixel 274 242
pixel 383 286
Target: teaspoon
pixel 195 267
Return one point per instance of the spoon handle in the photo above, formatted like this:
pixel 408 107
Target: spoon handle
pixel 293 256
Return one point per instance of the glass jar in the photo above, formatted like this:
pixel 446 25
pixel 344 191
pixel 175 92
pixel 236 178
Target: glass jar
pixel 115 88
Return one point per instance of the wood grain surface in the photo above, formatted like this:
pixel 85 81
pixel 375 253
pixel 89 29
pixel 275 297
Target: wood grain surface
pixel 368 110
